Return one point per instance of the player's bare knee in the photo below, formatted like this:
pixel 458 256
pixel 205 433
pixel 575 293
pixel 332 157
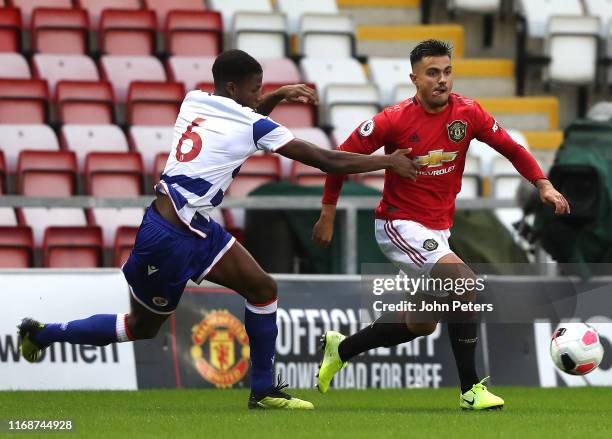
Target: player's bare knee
pixel 142 330
pixel 266 290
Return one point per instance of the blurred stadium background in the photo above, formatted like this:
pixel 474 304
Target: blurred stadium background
pixel 90 90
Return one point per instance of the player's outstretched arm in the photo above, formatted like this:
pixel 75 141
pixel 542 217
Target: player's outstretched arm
pixel 299 93
pixel 549 195
pixel 341 162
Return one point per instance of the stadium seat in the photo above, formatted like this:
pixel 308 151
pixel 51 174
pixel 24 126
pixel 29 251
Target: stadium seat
pixel 190 70
pixel 163 7
pixel 83 139
pixel 14 66
pixel 403 92
pixel 349 105
pixel 10 30
pixel 194 33
pixel 55 68
pixel 16 247
pixel 483 77
pixel 47 173
pixel 114 174
pixel 470 181
pixel 327 36
pixel 122 70
pixel 208 87
pixel 2 176
pixel 23 101
pixel 126 32
pixel 261 34
pixel 110 219
pixel 314 135
pixel 601 111
pixel 505 179
pixel 256 171
pixel 322 71
pixel 39 218
pixel 389 73
pixel 159 164
pixel 95 8
pixel 72 247
pixel 530 113
pixel 150 141
pixel 154 103
pixel 28 6
pixel 603 10
pixel 8 217
pixel 60 31
pixel 537 14
pixel 292 114
pixel 474 6
pixel 125 237
pixel 228 8
pixel 305 175
pixel 279 70
pixel 84 102
pixel 576 35
pixel 295 9
pixel 15 138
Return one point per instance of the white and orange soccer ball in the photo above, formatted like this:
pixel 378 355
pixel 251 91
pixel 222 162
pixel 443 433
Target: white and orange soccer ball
pixel 575 348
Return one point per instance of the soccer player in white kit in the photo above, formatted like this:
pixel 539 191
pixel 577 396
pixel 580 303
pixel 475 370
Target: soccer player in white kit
pixel 178 240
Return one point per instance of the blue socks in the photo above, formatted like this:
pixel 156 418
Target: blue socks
pixel 260 324
pixel 98 330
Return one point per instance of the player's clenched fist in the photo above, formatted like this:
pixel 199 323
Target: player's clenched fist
pixel 403 165
pixel 323 230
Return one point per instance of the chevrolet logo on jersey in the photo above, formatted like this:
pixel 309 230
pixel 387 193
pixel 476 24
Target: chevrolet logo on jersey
pixel 436 158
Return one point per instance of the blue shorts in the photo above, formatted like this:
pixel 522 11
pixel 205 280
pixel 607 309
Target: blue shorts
pixel 165 258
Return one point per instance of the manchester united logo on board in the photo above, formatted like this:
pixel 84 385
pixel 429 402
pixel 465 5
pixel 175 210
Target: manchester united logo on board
pixel 456 130
pixel 220 350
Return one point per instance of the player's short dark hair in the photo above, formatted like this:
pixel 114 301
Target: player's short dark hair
pixel 430 48
pixel 234 66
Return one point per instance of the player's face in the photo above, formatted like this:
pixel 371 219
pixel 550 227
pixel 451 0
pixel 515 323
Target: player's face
pixel 433 78
pixel 248 91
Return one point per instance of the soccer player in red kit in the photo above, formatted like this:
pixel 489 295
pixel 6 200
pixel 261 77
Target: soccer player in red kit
pixel 414 217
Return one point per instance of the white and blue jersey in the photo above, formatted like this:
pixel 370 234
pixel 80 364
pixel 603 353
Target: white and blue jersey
pixel 213 136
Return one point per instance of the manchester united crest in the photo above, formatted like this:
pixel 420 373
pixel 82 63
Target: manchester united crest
pixel 457 130
pixel 220 350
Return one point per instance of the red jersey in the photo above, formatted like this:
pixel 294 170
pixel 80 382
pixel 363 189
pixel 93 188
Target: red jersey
pixel 439 144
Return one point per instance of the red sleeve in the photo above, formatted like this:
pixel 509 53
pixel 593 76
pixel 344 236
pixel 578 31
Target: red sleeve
pixel 365 139
pixel 487 130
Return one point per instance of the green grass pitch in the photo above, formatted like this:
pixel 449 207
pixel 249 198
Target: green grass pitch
pixel 529 412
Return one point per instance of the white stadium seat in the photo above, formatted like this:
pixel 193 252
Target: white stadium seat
pixel 150 141
pixel 327 36
pixel 279 70
pixel 260 34
pixel 347 105
pixel 603 10
pixel 16 138
pixel 578 36
pixel 294 9
pixel 55 68
pixel 323 71
pixel 120 71
pixel 537 13
pixel 403 92
pixel 475 6
pixel 470 182
pixel 228 8
pixel 109 219
pixel 191 69
pixel 388 73
pixel 14 66
pixel 601 111
pixel 83 139
pixel 8 216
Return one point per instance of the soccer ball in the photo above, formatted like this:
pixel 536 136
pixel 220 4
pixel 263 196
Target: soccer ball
pixel 575 348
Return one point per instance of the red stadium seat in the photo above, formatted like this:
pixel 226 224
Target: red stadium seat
pixel 39 218
pixel 95 8
pixel 83 139
pixel 28 6
pixel 280 71
pixel 16 247
pixel 2 173
pixel 47 173
pixel 256 171
pixel 67 247
pixel 162 7
pixel 124 241
pixel 305 175
pixel 110 174
pixel 60 31
pixel 109 219
pixel 290 114
pixel 190 70
pixel 122 70
pixel 10 30
pixel 127 32
pixel 84 102
pixel 154 103
pixel 206 86
pixel 159 165
pixel 55 68
pixel 194 33
pixel 23 101
pixel 14 66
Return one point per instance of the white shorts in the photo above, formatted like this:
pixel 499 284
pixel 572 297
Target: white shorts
pixel 410 246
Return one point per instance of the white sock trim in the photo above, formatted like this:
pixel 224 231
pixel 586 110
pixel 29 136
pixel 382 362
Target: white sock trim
pixel 120 328
pixel 266 308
